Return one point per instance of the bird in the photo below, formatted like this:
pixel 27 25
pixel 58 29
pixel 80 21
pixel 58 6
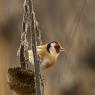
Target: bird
pixel 48 54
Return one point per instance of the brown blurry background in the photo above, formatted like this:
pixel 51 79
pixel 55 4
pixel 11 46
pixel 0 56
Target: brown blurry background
pixel 72 23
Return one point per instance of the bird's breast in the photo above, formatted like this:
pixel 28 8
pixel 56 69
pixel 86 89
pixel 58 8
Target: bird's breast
pixel 46 59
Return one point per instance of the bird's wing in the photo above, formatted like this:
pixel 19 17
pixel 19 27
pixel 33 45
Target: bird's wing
pixel 39 51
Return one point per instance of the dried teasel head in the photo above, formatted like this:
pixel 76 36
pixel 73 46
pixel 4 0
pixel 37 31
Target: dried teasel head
pixel 21 81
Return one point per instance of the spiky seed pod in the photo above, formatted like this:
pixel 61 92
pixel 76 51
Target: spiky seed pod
pixel 21 81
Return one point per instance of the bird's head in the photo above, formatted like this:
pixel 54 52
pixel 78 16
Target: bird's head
pixel 54 48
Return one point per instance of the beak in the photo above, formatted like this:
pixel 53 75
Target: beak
pixel 62 49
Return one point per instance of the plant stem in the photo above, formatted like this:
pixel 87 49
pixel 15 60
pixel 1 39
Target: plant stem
pixel 36 58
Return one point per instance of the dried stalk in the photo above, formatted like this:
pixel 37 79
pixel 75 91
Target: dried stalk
pixel 16 75
pixel 38 33
pixel 22 57
pixel 33 35
pixel 24 43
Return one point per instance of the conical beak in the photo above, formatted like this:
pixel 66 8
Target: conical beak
pixel 62 49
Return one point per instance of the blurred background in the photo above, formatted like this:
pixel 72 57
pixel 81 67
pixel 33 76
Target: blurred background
pixel 72 23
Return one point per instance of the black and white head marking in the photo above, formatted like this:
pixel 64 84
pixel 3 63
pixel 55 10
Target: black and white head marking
pixel 54 46
pixel 48 47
